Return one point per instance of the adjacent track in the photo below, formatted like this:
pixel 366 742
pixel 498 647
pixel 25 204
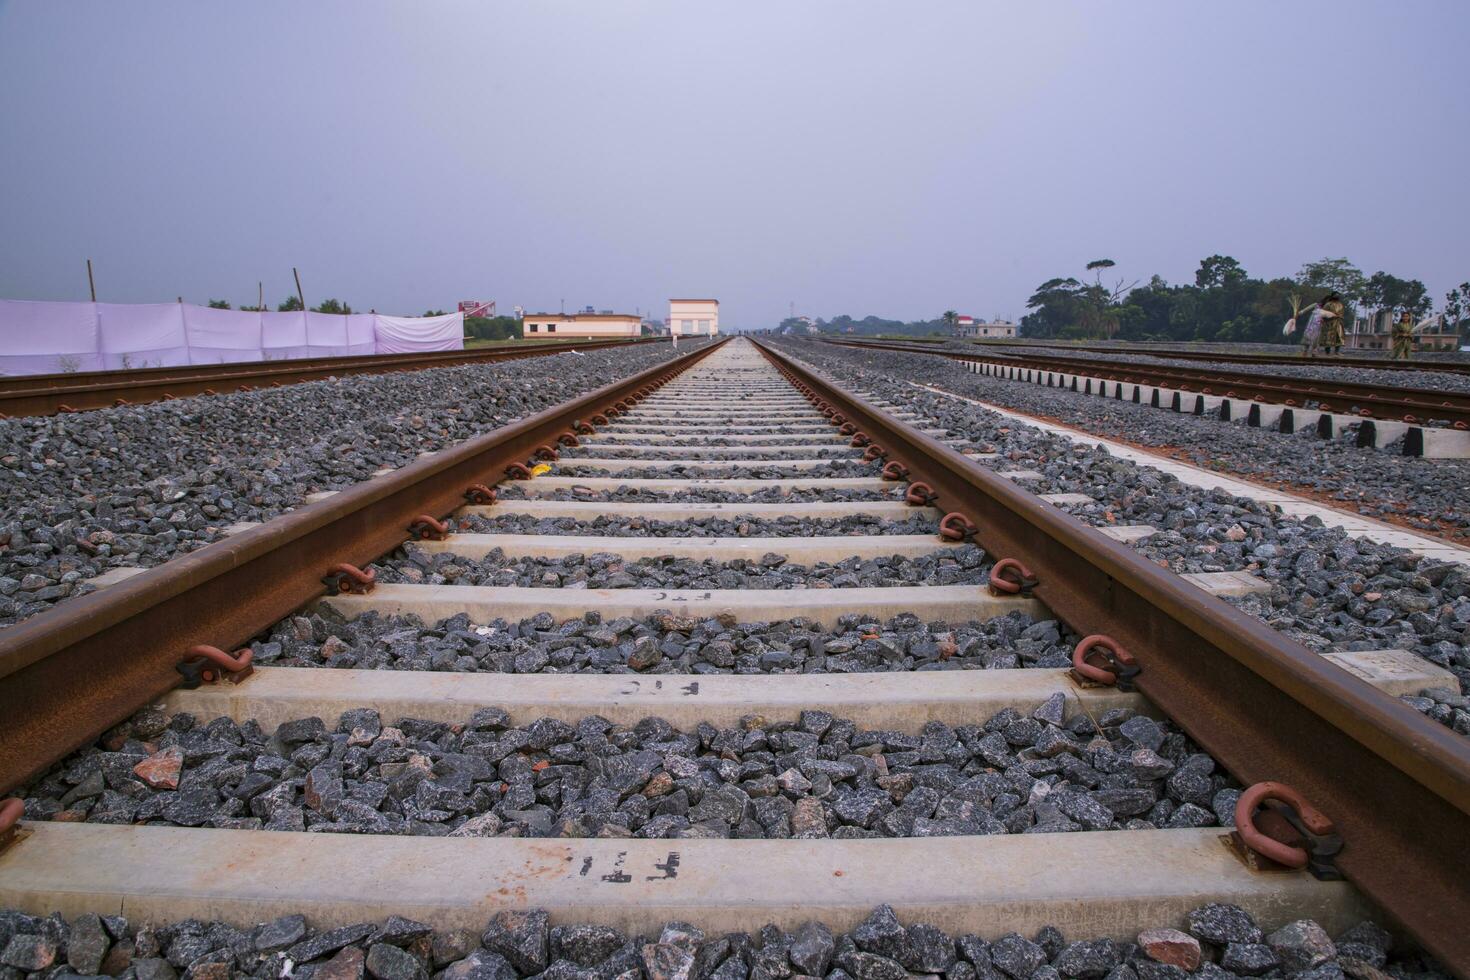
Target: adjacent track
pixel 1389 402
pixel 1295 357
pixel 51 394
pixel 1396 784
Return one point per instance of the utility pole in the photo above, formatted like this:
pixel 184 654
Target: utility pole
pixel 90 284
pixel 299 295
pixel 260 296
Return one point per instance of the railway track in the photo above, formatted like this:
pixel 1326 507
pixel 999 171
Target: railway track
pixel 1386 402
pixel 572 707
pixel 52 394
pixel 1225 357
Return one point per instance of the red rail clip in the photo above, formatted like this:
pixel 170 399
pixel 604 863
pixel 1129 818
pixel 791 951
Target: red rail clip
pixel 582 428
pixel 955 526
pixel 206 664
pixel 425 528
pixel 480 494
pixel 1121 665
pixel 894 470
pixel 569 439
pixel 10 814
pixel 598 419
pixel 517 471
pixel 874 452
pixel 920 495
pixel 1020 582
pixel 349 579
pixel 1276 822
pixel 847 428
pixel 859 440
pixel 547 453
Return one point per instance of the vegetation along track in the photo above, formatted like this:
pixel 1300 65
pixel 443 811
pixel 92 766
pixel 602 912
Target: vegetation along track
pixel 52 394
pixel 697 746
pixel 1388 402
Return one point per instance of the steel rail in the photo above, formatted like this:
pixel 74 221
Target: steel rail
pixel 1396 784
pixel 1375 363
pixel 1389 402
pixel 50 394
pixel 69 674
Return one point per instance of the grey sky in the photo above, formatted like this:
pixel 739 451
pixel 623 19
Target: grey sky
pixel 851 157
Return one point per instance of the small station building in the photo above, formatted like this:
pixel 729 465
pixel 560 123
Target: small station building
pixel 581 325
pixel 694 317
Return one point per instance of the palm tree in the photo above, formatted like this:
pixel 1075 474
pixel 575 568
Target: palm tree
pixel 950 318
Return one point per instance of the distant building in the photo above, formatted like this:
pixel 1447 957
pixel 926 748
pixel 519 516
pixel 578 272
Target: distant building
pixel 694 317
pixel 1375 332
pixel 477 307
pixel 967 326
pixel 581 325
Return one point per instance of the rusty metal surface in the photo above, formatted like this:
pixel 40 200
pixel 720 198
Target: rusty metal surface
pixel 1391 402
pixel 45 394
pixel 69 674
pixel 1396 784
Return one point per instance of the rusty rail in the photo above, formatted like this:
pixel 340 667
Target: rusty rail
pixel 69 674
pixel 50 394
pixel 1389 402
pixel 1396 784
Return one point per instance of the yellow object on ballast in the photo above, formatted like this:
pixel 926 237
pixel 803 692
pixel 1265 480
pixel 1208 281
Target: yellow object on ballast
pixel 540 468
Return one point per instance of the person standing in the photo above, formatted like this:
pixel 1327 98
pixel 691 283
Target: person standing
pixel 1312 335
pixel 1403 336
pixel 1333 325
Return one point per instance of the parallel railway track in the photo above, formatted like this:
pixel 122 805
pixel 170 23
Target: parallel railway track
pixel 1388 402
pixel 1395 785
pixel 52 394
pixel 1227 357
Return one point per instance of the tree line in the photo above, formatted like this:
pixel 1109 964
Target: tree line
pixel 1225 303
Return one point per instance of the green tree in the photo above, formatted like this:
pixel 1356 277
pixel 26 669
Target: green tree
pixel 1457 307
pixel 1386 292
pixel 288 304
pixel 1336 275
pixel 441 313
pixel 950 318
pixel 219 304
pixel 332 306
pixel 1219 271
pixel 492 328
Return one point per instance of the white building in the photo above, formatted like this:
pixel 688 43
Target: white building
pixel 694 317
pixel 970 327
pixel 581 325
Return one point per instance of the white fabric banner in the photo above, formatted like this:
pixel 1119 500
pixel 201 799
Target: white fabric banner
pixel 406 335
pixel 283 335
pixel 137 335
pixel 222 336
pixel 48 338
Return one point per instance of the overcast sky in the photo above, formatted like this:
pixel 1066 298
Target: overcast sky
pixel 851 157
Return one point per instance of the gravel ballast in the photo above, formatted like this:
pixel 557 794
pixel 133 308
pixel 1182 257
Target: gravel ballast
pixel 963 565
pixel 1426 493
pixel 811 777
pixel 1213 941
pixel 622 526
pixel 514 490
pixel 1330 591
pixel 136 485
pixel 665 644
